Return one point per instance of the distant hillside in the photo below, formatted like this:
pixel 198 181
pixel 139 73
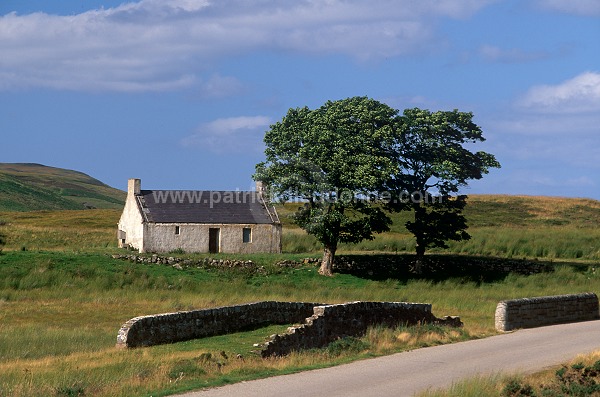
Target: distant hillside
pixel 505 210
pixel 500 226
pixel 532 211
pixel 29 187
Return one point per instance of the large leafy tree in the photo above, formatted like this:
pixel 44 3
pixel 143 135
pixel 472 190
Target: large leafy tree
pixel 433 159
pixel 331 159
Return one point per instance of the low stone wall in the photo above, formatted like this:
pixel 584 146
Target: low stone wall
pixel 181 326
pixel 546 310
pixel 377 266
pixel 321 324
pixel 332 322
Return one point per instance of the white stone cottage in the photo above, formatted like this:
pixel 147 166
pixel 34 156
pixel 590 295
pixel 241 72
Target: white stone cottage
pixel 198 221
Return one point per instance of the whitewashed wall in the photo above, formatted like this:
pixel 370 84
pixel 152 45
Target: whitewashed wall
pixel 192 237
pixel 131 222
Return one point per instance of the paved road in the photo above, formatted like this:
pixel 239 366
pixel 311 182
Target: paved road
pixel 404 374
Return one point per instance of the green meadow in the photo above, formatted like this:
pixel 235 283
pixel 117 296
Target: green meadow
pixel 551 228
pixel 63 297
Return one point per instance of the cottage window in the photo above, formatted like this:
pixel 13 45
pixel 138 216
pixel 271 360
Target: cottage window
pixel 247 235
pixel 176 229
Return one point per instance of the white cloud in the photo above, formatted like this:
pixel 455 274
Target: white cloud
pixel 552 124
pixel 580 181
pixel 562 185
pixel 578 95
pixel 564 147
pixel 160 45
pixel 577 7
pixel 218 86
pixel 492 53
pixel 234 134
pixel 545 125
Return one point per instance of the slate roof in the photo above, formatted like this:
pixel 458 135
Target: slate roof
pixel 203 206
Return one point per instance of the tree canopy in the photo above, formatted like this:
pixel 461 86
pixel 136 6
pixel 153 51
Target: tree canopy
pixel 338 162
pixel 329 160
pixel 430 152
pixel 433 163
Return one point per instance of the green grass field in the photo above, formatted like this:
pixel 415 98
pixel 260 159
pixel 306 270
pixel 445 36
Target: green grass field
pixel 63 297
pixel 60 313
pixel 500 226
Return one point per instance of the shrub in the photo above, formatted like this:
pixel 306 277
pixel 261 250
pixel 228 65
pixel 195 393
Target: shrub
pixel 579 380
pixel 346 345
pixel 576 380
pixel 74 390
pixel 515 388
pixel 185 368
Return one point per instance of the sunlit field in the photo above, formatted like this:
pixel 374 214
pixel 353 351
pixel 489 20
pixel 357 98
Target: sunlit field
pixel 63 297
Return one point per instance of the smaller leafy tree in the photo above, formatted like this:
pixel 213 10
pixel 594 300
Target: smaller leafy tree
pixel 433 162
pixel 331 159
pixel 438 219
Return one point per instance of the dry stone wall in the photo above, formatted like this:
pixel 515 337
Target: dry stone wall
pixel 331 322
pixel 381 266
pixel 181 326
pixel 322 324
pixel 546 310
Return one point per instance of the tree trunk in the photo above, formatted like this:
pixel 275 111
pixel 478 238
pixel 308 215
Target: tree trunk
pixel 420 237
pixel 326 268
pixel 420 258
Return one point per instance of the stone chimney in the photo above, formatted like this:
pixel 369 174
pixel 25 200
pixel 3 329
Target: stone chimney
pixel 134 186
pixel 260 187
pixel 261 190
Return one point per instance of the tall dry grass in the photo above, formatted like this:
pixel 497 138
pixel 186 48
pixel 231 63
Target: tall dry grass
pixel 60 230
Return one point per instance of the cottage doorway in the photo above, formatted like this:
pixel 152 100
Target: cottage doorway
pixel 214 235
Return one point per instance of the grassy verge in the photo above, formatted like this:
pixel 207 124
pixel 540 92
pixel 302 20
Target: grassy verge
pixel 578 378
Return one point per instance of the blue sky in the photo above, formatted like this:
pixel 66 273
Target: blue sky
pixel 180 92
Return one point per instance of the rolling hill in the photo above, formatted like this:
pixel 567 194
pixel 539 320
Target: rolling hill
pixel 30 187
